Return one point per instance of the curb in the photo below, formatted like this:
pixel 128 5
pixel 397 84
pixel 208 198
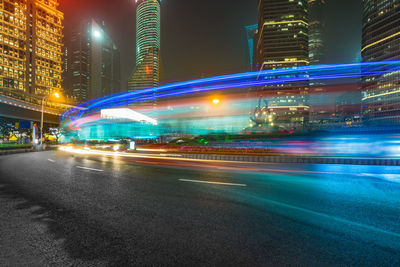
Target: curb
pixel 27 150
pixel 16 151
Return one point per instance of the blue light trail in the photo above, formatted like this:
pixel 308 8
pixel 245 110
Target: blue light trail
pixel 266 80
pixel 309 72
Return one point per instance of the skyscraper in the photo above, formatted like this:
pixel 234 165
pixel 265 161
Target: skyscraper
pixel 317 23
pixel 381 41
pixel 320 107
pixel 93 62
pixel 30 48
pixel 282 34
pixel 282 43
pixel 251 33
pixel 147 71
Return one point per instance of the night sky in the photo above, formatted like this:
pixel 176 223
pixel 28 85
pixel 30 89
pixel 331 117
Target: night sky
pixel 207 37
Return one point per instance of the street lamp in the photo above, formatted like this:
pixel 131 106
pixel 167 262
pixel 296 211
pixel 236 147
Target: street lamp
pixel 56 95
pixel 216 101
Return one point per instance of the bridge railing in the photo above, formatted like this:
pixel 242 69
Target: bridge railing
pixel 35 100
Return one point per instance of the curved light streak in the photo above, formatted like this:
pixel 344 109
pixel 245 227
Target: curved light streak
pixel 120 96
pixel 309 73
pixel 75 124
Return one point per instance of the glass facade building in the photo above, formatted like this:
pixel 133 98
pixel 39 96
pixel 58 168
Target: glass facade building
pixel 320 106
pixel 282 34
pixel 283 42
pixel 93 62
pixel 251 34
pixel 316 44
pixel 380 42
pixel 147 71
pixel 31 34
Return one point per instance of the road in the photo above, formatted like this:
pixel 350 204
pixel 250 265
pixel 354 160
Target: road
pixel 64 209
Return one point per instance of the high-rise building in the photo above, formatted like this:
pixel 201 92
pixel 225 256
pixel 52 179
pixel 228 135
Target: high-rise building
pixel 31 34
pixel 380 42
pixel 317 23
pixel 282 34
pixel 251 34
pixel 147 71
pixel 321 109
pixel 283 43
pixel 93 60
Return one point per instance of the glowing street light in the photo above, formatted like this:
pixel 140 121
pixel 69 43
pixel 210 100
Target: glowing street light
pixel 216 101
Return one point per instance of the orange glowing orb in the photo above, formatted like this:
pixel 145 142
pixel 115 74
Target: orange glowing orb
pixel 216 101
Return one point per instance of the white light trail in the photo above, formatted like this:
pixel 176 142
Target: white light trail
pixel 210 182
pixel 126 113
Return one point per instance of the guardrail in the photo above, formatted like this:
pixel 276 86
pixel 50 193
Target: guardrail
pixel 296 159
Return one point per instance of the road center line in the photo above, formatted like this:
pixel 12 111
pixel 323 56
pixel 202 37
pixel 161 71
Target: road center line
pixel 51 160
pixel 210 182
pixel 90 169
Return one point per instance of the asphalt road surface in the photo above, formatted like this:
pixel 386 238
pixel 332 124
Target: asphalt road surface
pixel 63 209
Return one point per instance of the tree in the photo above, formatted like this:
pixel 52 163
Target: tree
pixel 6 128
pixel 23 134
pixel 57 133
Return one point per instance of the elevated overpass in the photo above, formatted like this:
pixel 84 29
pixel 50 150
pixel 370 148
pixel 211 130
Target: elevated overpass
pixel 21 110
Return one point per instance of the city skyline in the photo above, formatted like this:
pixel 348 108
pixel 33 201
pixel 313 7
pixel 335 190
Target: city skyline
pixel 250 133
pixel 178 51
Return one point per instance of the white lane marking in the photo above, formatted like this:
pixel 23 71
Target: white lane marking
pixel 90 169
pixel 51 160
pixel 210 182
